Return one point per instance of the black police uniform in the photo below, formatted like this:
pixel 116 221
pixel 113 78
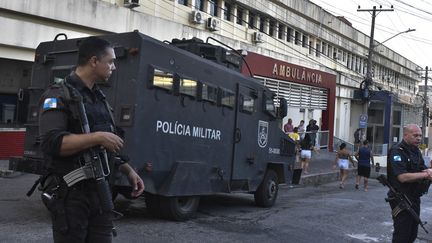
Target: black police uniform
pixel 405 158
pixel 76 212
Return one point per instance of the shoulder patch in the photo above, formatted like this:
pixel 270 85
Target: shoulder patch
pixel 397 158
pixel 50 103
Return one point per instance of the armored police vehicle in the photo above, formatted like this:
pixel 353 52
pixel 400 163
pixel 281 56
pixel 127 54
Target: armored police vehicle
pixel 192 126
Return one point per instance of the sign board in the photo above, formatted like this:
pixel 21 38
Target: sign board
pixel 363 121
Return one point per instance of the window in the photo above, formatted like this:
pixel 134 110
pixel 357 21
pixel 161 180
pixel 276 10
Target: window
pixel 208 93
pixel 239 16
pixel 213 7
pixel 227 98
pixel 317 50
pixel 188 87
pixel 272 27
pixel 289 34
pixel 227 11
pixel 280 31
pixel 162 79
pixel 183 2
pixel 251 21
pixel 199 5
pixel 269 105
pixel 248 104
pixel 304 41
pixel 297 38
pixel 310 48
pixel 262 22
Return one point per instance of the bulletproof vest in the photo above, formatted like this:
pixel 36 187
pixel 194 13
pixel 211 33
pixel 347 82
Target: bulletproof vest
pixel 416 164
pixel 98 115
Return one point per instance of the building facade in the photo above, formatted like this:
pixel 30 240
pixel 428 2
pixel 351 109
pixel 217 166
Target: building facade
pixel 293 33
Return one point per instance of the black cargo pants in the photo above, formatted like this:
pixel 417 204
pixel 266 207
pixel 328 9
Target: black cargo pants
pixel 82 220
pixel 404 225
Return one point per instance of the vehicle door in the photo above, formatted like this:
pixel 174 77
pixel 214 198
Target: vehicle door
pixel 250 135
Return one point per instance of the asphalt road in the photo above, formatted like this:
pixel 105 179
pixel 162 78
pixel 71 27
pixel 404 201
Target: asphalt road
pixel 304 214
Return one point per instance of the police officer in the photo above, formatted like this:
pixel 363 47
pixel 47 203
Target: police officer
pixel 76 210
pixel 408 174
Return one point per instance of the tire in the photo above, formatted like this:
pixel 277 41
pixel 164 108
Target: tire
pixel 179 208
pixel 153 204
pixel 266 193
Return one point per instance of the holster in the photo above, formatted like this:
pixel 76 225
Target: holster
pixel 54 193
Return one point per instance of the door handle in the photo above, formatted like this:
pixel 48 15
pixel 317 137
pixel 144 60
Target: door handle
pixel 237 135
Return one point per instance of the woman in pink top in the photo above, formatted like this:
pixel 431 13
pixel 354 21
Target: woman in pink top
pixel 288 128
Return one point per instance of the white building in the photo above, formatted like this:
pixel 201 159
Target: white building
pixel 295 32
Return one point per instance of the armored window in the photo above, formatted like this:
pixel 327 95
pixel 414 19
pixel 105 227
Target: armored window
pixel 227 98
pixel 208 93
pixel 248 104
pixel 269 104
pixel 58 73
pixel 162 79
pixel 188 87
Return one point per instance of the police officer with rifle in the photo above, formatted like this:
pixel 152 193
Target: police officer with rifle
pixel 81 144
pixel 408 179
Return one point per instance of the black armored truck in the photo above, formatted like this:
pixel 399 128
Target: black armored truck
pixel 193 127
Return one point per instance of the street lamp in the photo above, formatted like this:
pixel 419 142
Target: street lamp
pixel 368 81
pixel 403 32
pixel 364 86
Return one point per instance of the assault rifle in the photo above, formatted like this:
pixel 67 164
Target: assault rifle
pixel 403 202
pixel 95 160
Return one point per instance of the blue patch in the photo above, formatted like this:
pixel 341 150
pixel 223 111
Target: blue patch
pixel 397 158
pixel 50 103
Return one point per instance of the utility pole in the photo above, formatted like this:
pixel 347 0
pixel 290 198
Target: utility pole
pixel 425 111
pixel 368 80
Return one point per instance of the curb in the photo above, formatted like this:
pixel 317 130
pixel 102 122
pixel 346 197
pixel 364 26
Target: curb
pixel 327 177
pixel 9 173
pixel 323 178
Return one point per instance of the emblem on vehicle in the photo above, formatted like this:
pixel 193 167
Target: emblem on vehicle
pixel 262 133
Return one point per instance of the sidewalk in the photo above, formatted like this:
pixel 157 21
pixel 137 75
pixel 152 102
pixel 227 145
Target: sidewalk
pixel 321 169
pixel 4 170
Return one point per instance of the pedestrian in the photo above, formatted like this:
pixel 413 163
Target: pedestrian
pixel 295 135
pixel 358 134
pixel 76 211
pixel 342 160
pixel 407 173
pixel 365 160
pixel 306 153
pixel 301 129
pixel 312 128
pixel 288 127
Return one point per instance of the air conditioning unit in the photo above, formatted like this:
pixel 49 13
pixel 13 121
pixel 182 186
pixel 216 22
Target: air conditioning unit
pixel 131 3
pixel 258 37
pixel 196 17
pixel 213 24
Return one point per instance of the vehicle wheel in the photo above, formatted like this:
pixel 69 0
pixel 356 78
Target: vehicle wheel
pixel 153 204
pixel 266 194
pixel 179 208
